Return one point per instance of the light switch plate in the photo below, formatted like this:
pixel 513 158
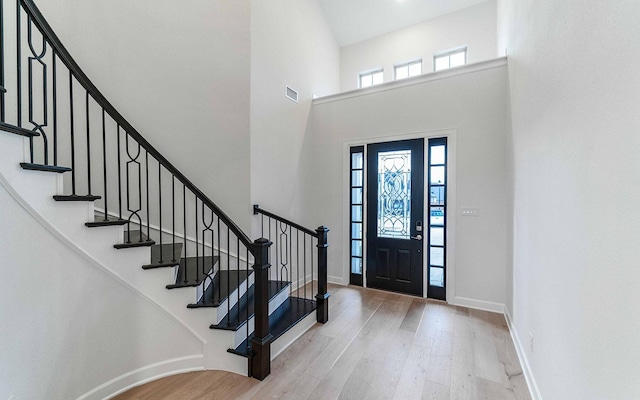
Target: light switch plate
pixel 470 211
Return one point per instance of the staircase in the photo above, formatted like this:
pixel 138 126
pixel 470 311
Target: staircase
pixel 67 153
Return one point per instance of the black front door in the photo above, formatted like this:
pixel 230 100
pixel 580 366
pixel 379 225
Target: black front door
pixel 395 216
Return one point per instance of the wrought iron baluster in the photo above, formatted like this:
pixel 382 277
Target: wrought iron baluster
pixel 133 161
pixel 104 165
pixel 290 259
pixel 119 174
pixel 198 250
pixel 311 238
pixel 254 299
pixel 228 276
pixel 19 68
pixel 276 251
pixel 297 255
pixel 72 136
pixel 160 210
pixel 238 274
pixel 304 263
pixel 219 256
pixel 146 180
pixel 173 216
pixel 274 271
pixel 184 232
pixel 89 147
pixel 55 107
pixel 37 57
pixel 207 226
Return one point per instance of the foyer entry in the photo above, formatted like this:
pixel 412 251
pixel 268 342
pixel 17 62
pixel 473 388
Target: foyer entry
pixel 388 225
pixel 395 215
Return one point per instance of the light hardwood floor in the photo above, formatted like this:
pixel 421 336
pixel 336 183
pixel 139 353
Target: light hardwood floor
pixel 376 345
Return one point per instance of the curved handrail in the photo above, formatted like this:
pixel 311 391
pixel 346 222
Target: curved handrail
pixel 64 55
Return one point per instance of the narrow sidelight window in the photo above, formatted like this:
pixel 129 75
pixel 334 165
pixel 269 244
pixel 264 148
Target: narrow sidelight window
pixel 437 218
pixel 356 215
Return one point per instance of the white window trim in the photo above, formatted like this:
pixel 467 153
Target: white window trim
pixel 449 53
pixel 406 64
pixel 369 72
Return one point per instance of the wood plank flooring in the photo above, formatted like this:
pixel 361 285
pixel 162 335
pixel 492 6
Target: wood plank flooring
pixel 376 345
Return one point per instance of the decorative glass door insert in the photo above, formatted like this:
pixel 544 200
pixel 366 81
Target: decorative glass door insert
pixel 395 215
pixel 394 194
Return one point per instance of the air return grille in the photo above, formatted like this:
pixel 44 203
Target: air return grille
pixel 292 94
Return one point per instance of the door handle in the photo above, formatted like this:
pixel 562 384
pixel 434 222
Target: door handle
pixel 417 237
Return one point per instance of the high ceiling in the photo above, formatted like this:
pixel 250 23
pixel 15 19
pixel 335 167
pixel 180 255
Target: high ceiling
pixel 353 21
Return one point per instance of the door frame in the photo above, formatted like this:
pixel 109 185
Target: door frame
pixel 450 134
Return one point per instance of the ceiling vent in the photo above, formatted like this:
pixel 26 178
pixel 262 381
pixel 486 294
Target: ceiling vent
pixel 292 94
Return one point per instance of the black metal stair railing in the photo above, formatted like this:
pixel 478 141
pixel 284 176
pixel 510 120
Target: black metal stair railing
pixel 299 256
pixel 73 129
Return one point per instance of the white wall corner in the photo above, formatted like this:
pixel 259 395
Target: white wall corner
pixel 534 391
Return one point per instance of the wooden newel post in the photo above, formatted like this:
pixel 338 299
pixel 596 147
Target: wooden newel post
pixel 322 298
pixel 261 341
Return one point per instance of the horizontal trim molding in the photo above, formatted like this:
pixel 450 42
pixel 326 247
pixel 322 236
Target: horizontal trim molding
pixel 416 80
pixel 336 280
pixel 478 304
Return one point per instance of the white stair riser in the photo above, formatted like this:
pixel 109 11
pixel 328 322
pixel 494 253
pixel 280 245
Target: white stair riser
pixel 68 218
pixel 241 334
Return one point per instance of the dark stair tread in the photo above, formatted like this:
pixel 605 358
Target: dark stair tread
pixel 45 168
pixel 292 311
pixel 224 282
pixel 167 259
pixel 77 197
pixel 134 239
pixel 100 220
pixel 17 130
pixel 193 270
pixel 237 316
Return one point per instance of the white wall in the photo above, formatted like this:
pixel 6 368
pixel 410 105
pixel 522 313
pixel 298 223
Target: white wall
pixel 291 44
pixel 574 89
pixel 474 27
pixel 68 327
pixel 180 73
pixel 472 103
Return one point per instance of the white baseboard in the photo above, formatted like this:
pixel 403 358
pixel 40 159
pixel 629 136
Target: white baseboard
pixel 336 280
pixel 146 374
pixel 534 391
pixel 478 304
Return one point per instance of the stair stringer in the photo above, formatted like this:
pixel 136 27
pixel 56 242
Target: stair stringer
pixel 66 219
pixel 32 292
